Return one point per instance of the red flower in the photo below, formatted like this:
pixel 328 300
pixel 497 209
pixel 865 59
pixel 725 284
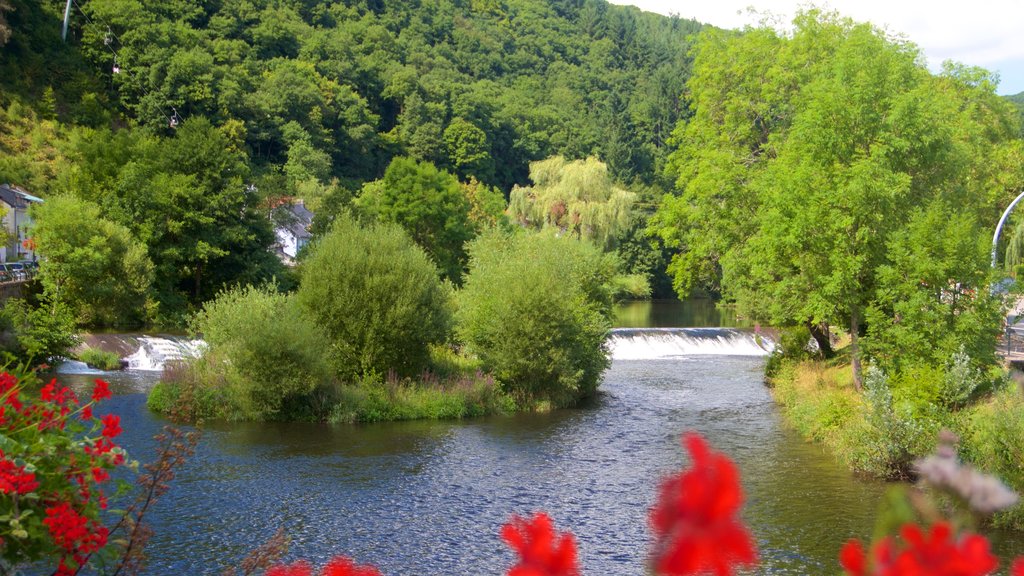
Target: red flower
pixel 111 425
pixel 339 566
pixel 87 413
pixel 542 551
pixel 694 520
pixel 342 566
pixel 1018 567
pixel 101 391
pixel 47 392
pixel 936 553
pixel 14 479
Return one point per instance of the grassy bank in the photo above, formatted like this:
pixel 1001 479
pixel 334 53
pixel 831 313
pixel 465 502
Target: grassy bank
pixel 100 359
pixel 194 392
pixel 882 430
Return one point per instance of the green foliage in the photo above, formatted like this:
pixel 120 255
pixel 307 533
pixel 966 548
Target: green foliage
pixel 535 309
pixel 577 198
pixel 376 296
pixel 91 264
pixel 372 399
pixel 809 158
pixel 792 347
pixel 429 204
pixel 995 443
pixel 268 350
pixel 933 297
pixel 37 334
pixel 100 359
pixel 185 198
pixel 486 205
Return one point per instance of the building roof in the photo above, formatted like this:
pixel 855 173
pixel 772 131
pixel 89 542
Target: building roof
pixel 294 218
pixel 16 197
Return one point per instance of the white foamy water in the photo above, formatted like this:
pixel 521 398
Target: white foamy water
pixel 655 343
pixel 154 352
pixel 76 367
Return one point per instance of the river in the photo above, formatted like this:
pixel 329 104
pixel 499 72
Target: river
pixel 429 498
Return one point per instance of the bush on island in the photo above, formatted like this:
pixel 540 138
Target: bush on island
pixel 377 297
pixel 535 309
pixel 266 349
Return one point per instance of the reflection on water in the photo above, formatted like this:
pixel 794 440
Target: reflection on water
pixel 692 313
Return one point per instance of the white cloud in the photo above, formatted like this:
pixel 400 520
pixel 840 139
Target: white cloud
pixel 987 33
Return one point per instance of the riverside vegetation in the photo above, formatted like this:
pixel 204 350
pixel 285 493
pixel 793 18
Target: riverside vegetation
pixel 819 178
pixel 370 334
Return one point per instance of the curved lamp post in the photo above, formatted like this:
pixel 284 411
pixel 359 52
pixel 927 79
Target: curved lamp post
pixel 67 18
pixel 999 227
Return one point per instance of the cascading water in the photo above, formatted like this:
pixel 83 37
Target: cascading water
pixel 656 343
pixel 154 352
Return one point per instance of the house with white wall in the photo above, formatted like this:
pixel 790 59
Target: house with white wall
pixel 291 226
pixel 17 222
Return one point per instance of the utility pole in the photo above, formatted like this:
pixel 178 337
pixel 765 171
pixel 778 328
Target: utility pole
pixel 67 18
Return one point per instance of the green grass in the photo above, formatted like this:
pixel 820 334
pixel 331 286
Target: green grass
pixel 100 359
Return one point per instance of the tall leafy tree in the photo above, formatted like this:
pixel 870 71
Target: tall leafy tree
pixel 94 266
pixel 809 152
pixel 430 205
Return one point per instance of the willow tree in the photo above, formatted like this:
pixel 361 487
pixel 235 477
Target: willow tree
pixel 808 152
pixel 575 197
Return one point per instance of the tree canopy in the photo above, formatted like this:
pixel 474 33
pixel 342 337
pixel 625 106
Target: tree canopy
pixel 807 156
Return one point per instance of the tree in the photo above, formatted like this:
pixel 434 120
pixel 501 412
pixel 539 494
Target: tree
pixel 267 348
pixel 429 204
pixel 186 198
pixel 536 311
pixel 377 297
pixel 808 153
pixel 91 264
pixel 576 197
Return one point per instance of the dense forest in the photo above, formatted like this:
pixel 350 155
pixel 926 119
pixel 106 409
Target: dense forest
pixel 184 120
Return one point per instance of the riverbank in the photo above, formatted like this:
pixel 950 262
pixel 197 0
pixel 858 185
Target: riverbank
pixel 879 432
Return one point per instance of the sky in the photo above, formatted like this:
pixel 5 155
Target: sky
pixel 986 33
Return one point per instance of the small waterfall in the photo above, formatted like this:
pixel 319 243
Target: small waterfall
pixel 155 351
pixel 655 343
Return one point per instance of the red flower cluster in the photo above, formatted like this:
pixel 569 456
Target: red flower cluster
pixel 695 521
pixel 71 530
pixel 14 479
pixel 339 566
pixel 937 553
pixel 73 455
pixel 542 551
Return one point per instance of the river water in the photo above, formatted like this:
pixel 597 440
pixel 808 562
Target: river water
pixel 429 498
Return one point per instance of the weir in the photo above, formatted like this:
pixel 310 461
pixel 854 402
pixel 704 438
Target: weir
pixel 662 343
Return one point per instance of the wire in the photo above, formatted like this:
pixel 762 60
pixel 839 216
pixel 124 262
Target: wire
pixel 172 120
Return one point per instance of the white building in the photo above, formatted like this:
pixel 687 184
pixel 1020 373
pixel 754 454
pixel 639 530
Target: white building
pixel 291 226
pixel 16 223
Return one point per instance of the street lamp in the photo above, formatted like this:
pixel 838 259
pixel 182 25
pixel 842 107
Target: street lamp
pixel 999 227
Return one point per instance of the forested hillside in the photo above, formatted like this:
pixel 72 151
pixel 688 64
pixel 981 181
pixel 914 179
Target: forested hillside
pixel 183 121
pixel 316 90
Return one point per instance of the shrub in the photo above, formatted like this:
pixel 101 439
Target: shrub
pixel 94 265
pixel 377 297
pixel 995 443
pixel 374 399
pixel 100 359
pixel 37 334
pixel 535 309
pixel 265 348
pixel 792 346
